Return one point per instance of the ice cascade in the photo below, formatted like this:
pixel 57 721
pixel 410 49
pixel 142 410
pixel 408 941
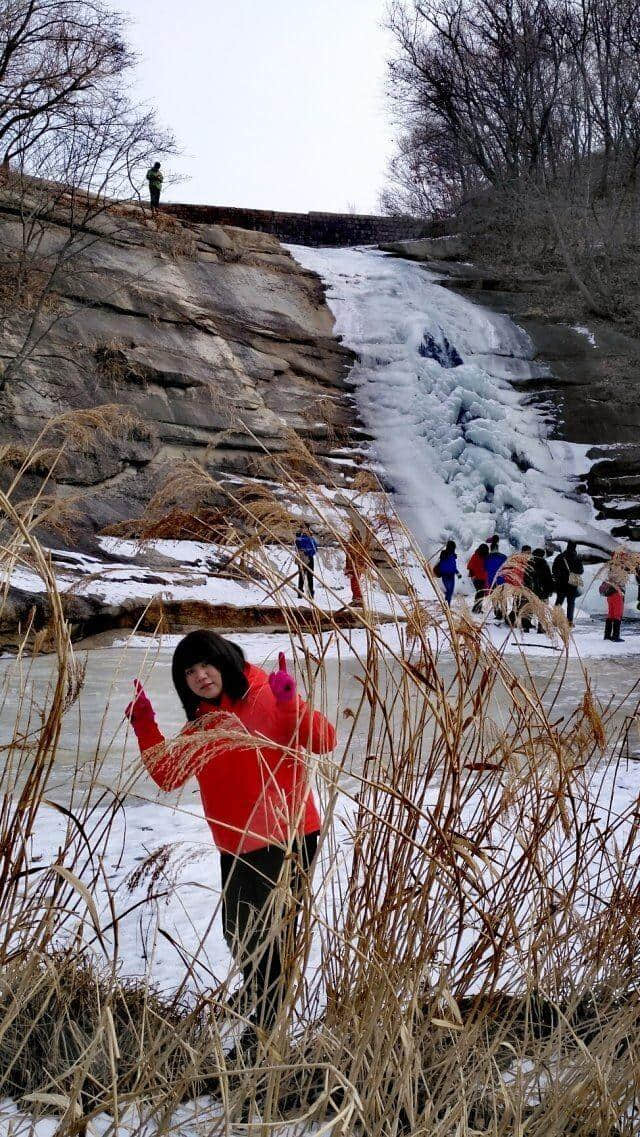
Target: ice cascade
pixel 436 384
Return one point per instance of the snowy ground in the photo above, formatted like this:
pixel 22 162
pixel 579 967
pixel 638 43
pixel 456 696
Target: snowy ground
pixel 186 898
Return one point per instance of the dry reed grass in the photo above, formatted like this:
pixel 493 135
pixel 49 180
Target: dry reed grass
pixel 477 925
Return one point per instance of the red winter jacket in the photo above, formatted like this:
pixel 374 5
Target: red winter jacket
pixel 254 792
pixel 477 569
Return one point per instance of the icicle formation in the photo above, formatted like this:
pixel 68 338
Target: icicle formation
pixel 466 454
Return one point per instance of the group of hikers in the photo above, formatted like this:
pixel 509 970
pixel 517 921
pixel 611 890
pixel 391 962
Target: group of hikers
pixel 489 569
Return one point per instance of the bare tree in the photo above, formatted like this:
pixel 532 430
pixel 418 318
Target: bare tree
pixel 72 142
pixel 536 100
pixel 55 57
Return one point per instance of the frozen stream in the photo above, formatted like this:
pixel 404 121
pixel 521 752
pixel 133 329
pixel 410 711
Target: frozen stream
pixel 95 751
pixel 436 384
pixel 96 748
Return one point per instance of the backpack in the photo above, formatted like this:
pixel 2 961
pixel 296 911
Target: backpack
pixel 574 579
pixel 437 571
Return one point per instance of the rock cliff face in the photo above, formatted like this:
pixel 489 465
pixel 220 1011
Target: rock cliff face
pixel 215 338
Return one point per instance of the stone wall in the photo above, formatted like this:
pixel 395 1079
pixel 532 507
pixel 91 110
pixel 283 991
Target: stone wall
pixel 321 229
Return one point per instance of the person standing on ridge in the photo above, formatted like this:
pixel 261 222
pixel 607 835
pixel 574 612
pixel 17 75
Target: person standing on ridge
pixel 477 569
pixel 254 785
pixel 567 576
pixel 494 563
pixel 155 178
pixel 306 549
pixel 447 570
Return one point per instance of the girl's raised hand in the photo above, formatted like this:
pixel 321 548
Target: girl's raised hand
pixel 282 683
pixel 139 709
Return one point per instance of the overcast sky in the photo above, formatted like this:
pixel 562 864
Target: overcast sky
pixel 276 104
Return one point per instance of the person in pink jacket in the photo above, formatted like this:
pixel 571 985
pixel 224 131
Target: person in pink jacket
pixel 244 742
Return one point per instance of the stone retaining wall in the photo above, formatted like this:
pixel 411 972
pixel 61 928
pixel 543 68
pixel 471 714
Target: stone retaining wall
pixel 321 229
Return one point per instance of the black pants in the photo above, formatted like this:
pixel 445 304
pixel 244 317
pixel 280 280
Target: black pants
pixel 519 604
pixel 305 573
pixel 481 591
pixel 154 194
pixel 250 917
pixel 569 595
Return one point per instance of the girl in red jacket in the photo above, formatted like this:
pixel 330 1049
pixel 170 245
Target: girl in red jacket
pixel 243 742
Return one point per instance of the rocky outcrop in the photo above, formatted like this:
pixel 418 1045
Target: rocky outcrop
pixel 214 339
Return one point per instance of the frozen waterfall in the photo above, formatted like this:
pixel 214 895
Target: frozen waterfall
pixel 436 385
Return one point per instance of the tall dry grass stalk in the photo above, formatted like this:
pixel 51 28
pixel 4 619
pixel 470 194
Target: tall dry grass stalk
pixel 467 962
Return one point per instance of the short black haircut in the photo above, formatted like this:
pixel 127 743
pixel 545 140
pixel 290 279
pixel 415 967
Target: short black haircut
pixel 208 647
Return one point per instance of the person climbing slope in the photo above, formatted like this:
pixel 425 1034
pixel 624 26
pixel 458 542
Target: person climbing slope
pixel 255 791
pixel 494 563
pixel 447 570
pixel 613 588
pixel 540 579
pixel 567 576
pixel 477 569
pixel 356 559
pixel 515 573
pixel 306 549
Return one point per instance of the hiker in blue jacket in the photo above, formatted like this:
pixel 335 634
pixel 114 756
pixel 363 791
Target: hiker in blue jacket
pixel 447 569
pixel 306 549
pixel 494 563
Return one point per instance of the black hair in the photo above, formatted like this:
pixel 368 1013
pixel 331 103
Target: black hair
pixel 526 549
pixel 483 549
pixel 449 548
pixel 495 541
pixel 538 552
pixel 208 647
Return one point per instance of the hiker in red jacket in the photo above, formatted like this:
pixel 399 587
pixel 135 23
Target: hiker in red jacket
pixel 244 742
pixel 477 569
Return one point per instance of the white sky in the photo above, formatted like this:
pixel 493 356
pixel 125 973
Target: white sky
pixel 276 104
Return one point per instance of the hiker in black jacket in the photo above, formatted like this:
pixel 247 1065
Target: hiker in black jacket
pixel 539 579
pixel 567 577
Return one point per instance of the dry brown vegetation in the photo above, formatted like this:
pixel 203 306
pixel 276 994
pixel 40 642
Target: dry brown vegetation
pixel 476 899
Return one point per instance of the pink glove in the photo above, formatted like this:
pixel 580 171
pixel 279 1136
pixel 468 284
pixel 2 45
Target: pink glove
pixel 281 683
pixel 139 711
